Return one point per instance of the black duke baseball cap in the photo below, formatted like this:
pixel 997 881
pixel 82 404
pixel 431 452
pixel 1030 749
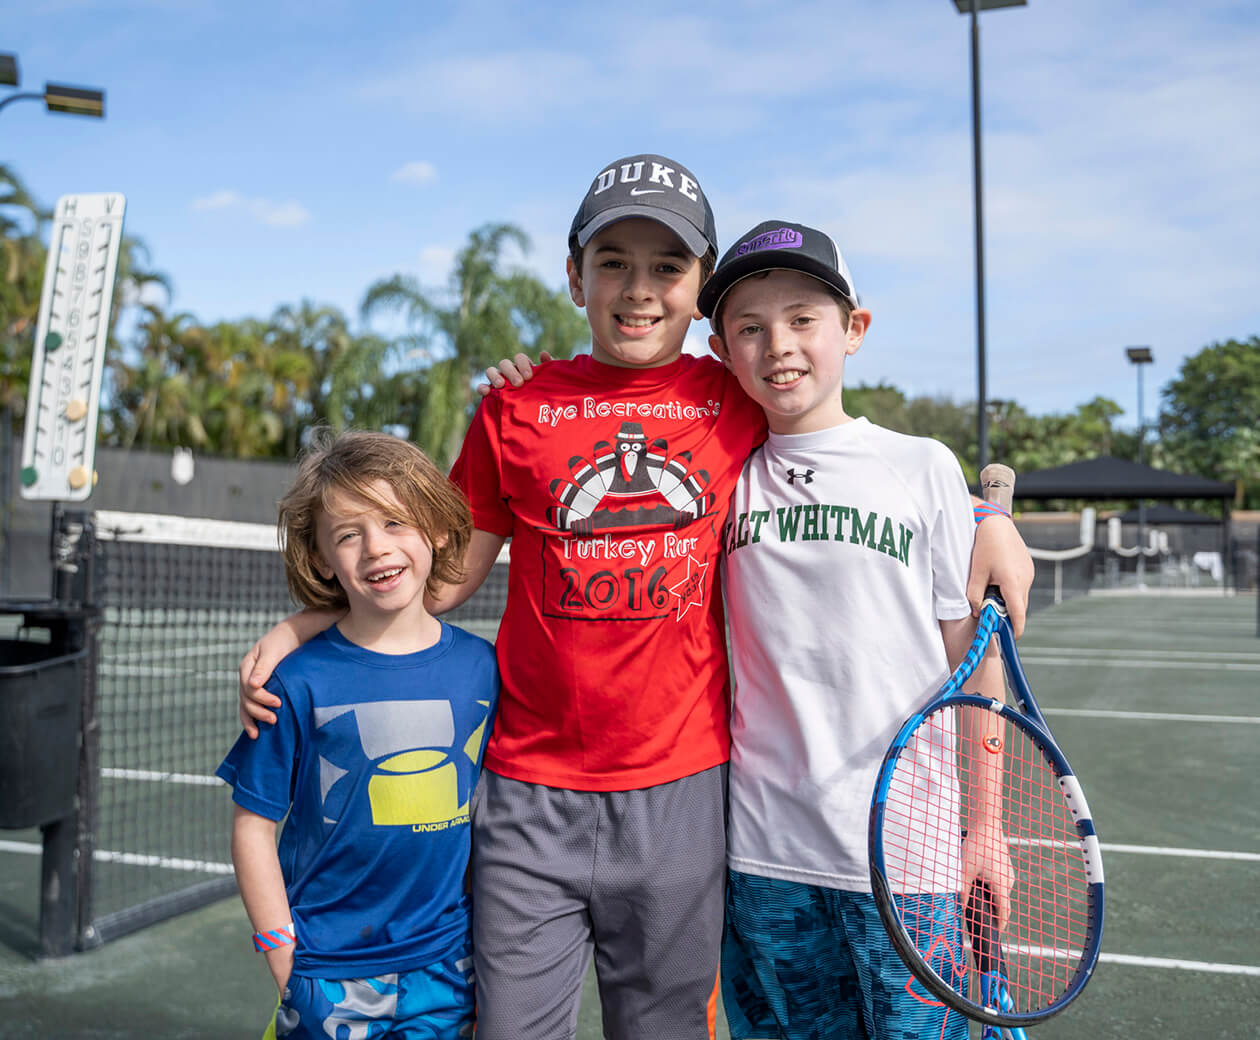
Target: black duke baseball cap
pixel 648 186
pixel 774 245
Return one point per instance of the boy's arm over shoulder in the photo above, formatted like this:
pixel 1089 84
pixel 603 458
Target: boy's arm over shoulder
pixel 255 702
pixel 514 371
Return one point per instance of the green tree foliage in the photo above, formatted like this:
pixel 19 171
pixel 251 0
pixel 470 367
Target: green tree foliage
pixel 251 388
pixel 486 312
pixel 881 403
pixel 1017 438
pixel 1210 416
pixel 22 257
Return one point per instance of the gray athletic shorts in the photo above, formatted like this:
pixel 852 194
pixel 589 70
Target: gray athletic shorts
pixel 634 877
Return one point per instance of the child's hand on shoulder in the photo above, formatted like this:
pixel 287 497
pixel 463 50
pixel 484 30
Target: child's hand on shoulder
pixel 514 372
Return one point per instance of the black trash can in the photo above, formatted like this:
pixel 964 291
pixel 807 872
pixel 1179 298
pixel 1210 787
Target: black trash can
pixel 40 690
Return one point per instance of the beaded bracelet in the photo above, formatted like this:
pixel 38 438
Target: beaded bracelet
pixel 988 509
pixel 274 939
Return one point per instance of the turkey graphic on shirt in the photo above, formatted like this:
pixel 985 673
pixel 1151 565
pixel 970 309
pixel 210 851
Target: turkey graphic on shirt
pixel 629 485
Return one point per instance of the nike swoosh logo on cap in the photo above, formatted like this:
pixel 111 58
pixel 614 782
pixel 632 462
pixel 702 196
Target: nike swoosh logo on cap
pixel 647 191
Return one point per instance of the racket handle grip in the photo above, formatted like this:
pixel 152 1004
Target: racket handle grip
pixel 980 918
pixel 997 484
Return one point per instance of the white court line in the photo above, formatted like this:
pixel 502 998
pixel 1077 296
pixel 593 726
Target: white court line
pixel 1031 657
pixel 195 779
pixel 1172 655
pixel 154 671
pixel 1157 716
pixel 211 867
pixel 1210 967
pixel 132 859
pixel 1157 850
pixel 1170 962
pixel 1143 850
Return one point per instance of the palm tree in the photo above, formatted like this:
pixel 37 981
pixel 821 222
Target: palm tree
pixel 150 385
pixel 484 314
pixel 22 258
pixel 321 366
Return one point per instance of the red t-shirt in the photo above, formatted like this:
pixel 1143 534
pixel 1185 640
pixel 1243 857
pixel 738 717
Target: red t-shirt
pixel 612 484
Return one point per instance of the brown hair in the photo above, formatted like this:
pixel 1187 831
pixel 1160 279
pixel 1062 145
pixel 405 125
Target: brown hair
pixel 351 463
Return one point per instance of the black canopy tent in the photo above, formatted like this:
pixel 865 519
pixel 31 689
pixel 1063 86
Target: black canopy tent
pixel 1108 479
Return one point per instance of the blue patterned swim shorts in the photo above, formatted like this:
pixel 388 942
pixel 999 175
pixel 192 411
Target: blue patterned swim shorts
pixel 803 962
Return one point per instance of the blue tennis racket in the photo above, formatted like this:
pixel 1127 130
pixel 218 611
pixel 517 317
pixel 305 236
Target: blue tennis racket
pixel 958 748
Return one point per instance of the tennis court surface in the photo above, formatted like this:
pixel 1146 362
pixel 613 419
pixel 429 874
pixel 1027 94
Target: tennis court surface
pixel 1154 698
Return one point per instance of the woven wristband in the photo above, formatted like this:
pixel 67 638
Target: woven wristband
pixel 273 940
pixel 988 509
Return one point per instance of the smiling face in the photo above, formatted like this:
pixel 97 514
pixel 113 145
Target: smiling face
pixel 785 338
pixel 381 559
pixel 639 284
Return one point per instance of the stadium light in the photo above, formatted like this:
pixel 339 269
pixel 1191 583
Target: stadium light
pixel 79 101
pixel 973 8
pixel 1140 356
pixel 59 97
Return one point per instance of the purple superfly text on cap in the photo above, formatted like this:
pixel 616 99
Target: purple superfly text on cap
pixel 783 238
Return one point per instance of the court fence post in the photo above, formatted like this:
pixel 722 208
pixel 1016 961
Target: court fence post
pixel 66 865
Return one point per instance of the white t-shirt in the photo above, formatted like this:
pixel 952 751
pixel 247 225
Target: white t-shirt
pixel 843 549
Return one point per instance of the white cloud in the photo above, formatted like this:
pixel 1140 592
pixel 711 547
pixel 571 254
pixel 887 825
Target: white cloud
pixel 265 211
pixel 223 199
pixel 279 214
pixel 419 172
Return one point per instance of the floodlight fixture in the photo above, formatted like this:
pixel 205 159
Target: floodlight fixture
pixel 1140 356
pixel 973 8
pixel 965 6
pixel 79 101
pixel 58 97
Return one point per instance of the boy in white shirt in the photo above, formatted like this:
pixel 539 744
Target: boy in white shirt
pixel 847 549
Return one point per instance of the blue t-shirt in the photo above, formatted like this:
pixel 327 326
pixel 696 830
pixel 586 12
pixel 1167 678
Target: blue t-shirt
pixel 374 757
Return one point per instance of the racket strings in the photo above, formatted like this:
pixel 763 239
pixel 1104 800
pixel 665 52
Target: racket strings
pixel 927 807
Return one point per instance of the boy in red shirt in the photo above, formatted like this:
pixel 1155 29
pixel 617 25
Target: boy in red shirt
pixel 598 826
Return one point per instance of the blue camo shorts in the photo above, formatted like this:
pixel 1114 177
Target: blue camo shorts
pixel 434 1002
pixel 803 962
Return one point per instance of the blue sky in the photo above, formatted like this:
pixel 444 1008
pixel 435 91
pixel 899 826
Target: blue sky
pixel 276 151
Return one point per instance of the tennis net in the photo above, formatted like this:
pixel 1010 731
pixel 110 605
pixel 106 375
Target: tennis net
pixel 182 600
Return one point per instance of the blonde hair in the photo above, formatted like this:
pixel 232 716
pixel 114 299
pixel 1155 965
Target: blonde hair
pixel 351 463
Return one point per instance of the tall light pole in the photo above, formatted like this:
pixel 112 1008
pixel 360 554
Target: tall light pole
pixel 973 8
pixel 1140 356
pixel 79 101
pixel 57 97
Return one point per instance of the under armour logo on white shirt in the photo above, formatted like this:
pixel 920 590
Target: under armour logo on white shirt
pixel 806 478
